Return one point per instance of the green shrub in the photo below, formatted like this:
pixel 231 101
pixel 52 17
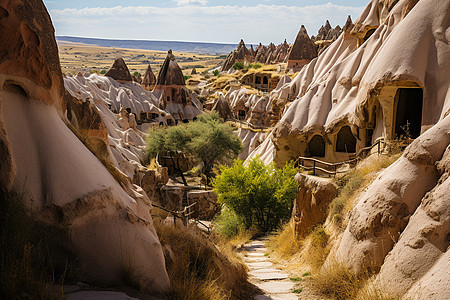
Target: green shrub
pixel 216 72
pixel 238 65
pixel 255 66
pixel 228 223
pixel 186 77
pixel 261 195
pixel 103 72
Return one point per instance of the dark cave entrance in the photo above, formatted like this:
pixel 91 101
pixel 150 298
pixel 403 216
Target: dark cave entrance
pixel 241 114
pixel 316 146
pixel 346 141
pixel 408 114
pixel 368 34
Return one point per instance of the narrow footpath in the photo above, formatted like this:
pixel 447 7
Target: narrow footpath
pixel 272 281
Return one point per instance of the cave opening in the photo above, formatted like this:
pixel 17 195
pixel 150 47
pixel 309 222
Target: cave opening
pixel 346 141
pixel 408 114
pixel 316 146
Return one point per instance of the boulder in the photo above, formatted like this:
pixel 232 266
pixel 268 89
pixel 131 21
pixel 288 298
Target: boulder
pixel 311 203
pixel 206 204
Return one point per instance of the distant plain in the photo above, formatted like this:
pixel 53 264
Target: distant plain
pixel 78 57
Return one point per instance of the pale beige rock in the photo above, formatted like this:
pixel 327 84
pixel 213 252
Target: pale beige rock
pixel 404 212
pixel 111 230
pixel 423 245
pixel 354 84
pixel 311 204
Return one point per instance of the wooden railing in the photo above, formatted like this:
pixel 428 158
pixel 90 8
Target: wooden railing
pixel 254 127
pixel 323 166
pixel 184 215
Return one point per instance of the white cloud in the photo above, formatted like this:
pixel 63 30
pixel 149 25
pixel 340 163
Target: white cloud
pixel 229 23
pixel 191 2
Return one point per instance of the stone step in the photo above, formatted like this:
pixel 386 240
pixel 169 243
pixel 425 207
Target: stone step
pixel 259 265
pixel 276 287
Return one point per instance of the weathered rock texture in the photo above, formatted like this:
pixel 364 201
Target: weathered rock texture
pixel 119 71
pixel 357 82
pixel 311 204
pixel 172 93
pixel 302 52
pixel 401 222
pixel 267 55
pixel 206 206
pixel 111 232
pixel 149 80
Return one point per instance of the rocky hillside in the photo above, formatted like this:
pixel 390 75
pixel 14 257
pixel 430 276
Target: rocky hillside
pixel 42 130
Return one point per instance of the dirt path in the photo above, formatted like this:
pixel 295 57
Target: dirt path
pixel 274 282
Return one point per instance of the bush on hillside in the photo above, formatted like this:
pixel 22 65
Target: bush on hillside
pixel 238 65
pixel 261 195
pixel 198 269
pixel 255 66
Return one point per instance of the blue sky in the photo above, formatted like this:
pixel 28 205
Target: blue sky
pixel 198 20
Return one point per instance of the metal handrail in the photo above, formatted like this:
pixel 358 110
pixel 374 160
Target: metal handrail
pixel 335 165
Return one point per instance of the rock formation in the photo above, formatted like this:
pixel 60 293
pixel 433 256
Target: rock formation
pixel 172 93
pixel 194 71
pixel 401 222
pixel 302 52
pixel 389 64
pixel 119 71
pixel 111 229
pixel 241 54
pixel 222 108
pixel 348 94
pixel 311 204
pixel 327 35
pixel 267 55
pixel 149 80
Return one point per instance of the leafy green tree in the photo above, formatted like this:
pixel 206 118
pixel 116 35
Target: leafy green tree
pixel 208 140
pixel 216 72
pixel 165 141
pixel 261 195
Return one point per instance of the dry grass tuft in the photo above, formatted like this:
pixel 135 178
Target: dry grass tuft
pixel 284 242
pixel 354 181
pixel 373 292
pixel 316 248
pixel 27 246
pixel 337 281
pixel 198 269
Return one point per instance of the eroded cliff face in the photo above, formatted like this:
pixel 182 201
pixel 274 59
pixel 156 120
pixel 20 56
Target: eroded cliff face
pixel 401 222
pixel 393 48
pixel 111 229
